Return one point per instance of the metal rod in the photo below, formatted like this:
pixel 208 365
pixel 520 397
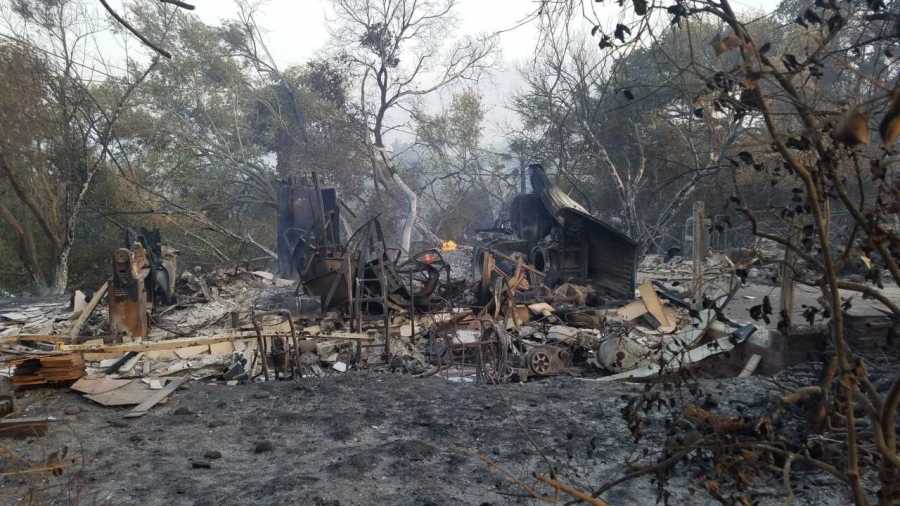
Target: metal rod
pixel 320 204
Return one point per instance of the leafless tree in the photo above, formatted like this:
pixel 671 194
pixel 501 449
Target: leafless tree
pixel 79 143
pixel 398 49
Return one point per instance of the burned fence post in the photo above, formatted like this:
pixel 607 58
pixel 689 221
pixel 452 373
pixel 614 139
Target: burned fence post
pixel 698 250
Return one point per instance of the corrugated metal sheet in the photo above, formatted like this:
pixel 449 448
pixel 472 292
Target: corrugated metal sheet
pixel 612 255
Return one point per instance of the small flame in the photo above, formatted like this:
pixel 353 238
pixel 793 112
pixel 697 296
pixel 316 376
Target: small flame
pixel 448 246
pixel 429 258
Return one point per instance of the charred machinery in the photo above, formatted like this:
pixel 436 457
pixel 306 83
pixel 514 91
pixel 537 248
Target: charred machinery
pixel 556 235
pixel 162 262
pixel 143 277
pixel 309 219
pixel 360 275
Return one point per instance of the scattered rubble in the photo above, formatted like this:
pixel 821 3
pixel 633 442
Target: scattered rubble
pixel 520 310
pixel 533 307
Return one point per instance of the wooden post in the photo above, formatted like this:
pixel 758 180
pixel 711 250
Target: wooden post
pixel 787 280
pixel 699 252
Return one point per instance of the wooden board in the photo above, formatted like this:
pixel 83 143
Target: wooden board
pixel 42 369
pixel 154 399
pixel 24 427
pixel 94 386
pixel 86 313
pixel 161 355
pixel 192 351
pixel 170 344
pixel 186 342
pixel 135 392
pixel 348 336
pixel 750 366
pixel 219 348
pixel 541 308
pixel 97 357
pixel 654 306
pixel 43 338
pixel 631 310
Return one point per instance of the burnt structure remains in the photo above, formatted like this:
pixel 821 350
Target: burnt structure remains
pixel 360 276
pixel 308 218
pixel 160 282
pixel 562 240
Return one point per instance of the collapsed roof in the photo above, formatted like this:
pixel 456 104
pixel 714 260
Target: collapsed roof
pixel 569 244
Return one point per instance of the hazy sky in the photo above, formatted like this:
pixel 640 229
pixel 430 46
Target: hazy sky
pixel 297 29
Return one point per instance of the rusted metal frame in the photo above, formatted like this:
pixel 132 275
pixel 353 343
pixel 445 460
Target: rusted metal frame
pixel 331 290
pixel 512 282
pixel 302 274
pixel 359 244
pixel 518 277
pixel 500 342
pixel 480 347
pixel 382 281
pixel 449 351
pixel 259 354
pixel 511 259
pixel 261 341
pixel 260 348
pixel 294 342
pixel 356 310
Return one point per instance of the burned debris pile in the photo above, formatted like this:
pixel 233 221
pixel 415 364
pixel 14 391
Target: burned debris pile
pixel 552 293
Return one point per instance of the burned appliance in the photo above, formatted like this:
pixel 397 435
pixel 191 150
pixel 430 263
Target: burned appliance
pixel 308 218
pixel 127 293
pixel 162 260
pixel 366 277
pixel 563 241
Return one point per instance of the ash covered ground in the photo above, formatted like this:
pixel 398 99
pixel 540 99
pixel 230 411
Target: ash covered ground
pixel 365 438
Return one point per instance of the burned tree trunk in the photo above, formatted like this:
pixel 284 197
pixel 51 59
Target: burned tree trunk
pixel 26 249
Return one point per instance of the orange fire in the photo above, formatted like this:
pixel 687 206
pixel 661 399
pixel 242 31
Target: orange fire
pixel 448 246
